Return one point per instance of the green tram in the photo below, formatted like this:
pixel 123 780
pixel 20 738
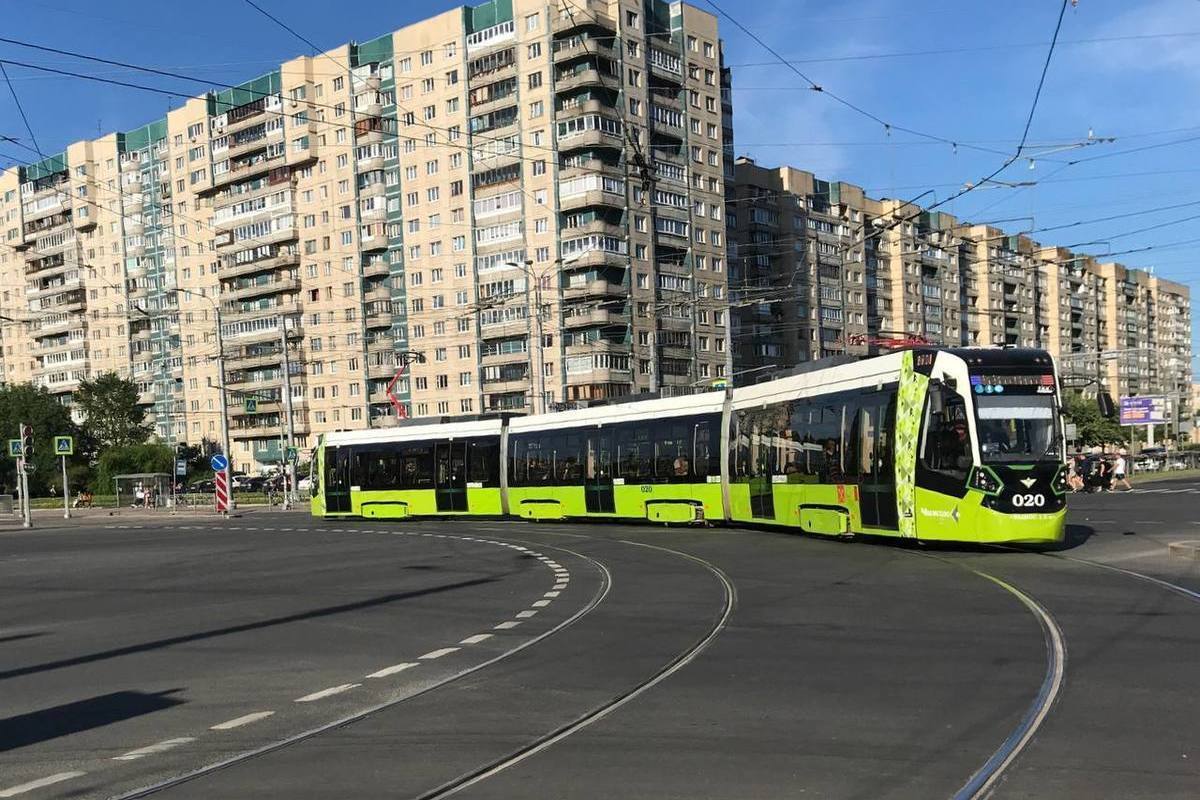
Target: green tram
pixel 959 445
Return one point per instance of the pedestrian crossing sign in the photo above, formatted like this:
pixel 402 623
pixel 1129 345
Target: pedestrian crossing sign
pixel 14 448
pixel 64 445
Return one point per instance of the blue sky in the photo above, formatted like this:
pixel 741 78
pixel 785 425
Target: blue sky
pixel 962 71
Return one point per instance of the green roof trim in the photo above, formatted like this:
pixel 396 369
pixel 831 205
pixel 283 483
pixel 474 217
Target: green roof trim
pixel 143 137
pixel 372 52
pixel 248 92
pixel 46 167
pixel 488 14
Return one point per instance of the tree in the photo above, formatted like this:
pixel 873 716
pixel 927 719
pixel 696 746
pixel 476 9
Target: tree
pixel 129 460
pixel 1092 427
pixel 109 405
pixel 34 406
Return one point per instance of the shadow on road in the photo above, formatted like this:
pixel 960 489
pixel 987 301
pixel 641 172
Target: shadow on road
pixel 82 715
pixel 16 637
pixel 249 626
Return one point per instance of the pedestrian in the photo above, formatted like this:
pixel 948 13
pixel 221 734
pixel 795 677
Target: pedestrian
pixel 1119 474
pixel 139 496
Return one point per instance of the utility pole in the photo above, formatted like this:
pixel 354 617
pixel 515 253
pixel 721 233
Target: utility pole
pixel 290 468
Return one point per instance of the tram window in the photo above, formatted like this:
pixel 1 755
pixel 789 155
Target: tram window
pixel 885 440
pixel 483 461
pixel 375 468
pixel 518 470
pixel 672 449
pixel 539 461
pixel 598 463
pixel 416 466
pixel 705 458
pixel 947 444
pixel 635 452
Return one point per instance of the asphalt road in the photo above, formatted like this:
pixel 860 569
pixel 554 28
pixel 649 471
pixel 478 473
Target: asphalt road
pixel 278 656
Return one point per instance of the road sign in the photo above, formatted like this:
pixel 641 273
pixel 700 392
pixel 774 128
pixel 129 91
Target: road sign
pixel 221 492
pixel 14 448
pixel 1072 431
pixel 180 467
pixel 291 454
pixel 251 405
pixel 64 445
pixel 1148 410
pixel 218 462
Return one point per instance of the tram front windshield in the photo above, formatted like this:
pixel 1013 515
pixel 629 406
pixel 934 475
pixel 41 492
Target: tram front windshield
pixel 1017 428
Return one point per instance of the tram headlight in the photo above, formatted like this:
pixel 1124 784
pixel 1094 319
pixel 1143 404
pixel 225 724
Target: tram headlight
pixel 983 479
pixel 1059 484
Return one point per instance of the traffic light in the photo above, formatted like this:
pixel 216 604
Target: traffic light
pixel 27 442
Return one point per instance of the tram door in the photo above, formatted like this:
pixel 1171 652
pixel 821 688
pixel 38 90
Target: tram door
pixel 337 480
pixel 877 462
pixel 598 482
pixel 450 475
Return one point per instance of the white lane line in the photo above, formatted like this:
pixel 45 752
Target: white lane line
pixel 1147 522
pixel 551 594
pixel 392 670
pixel 332 690
pixel 558 587
pixel 540 603
pixel 160 747
pixel 445 651
pixel 49 780
pixel 476 639
pixel 240 721
pixel 504 626
pixel 525 614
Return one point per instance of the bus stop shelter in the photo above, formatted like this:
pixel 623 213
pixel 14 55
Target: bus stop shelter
pixel 158 483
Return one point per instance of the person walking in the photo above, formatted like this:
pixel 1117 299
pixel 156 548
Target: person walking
pixel 1119 474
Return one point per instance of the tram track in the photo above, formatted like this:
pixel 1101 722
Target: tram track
pixel 987 777
pixel 598 597
pixel 598 713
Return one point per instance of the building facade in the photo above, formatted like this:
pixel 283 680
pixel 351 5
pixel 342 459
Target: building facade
pixel 819 269
pixel 509 207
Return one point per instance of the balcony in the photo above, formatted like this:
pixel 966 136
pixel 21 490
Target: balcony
pixel 567 50
pixel 592 198
pixel 254 358
pixel 595 288
pixel 376 318
pixel 258 288
pixel 591 317
pixel 572 80
pixel 376 269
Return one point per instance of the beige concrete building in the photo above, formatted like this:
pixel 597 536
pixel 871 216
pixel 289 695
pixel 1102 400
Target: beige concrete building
pixel 521 202
pixel 820 269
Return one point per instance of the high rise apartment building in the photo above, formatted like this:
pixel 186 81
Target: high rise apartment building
pixel 519 202
pixel 818 269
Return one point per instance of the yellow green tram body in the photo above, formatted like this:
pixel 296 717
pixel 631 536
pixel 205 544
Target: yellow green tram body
pixel 959 445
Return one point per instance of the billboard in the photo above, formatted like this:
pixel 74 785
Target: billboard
pixel 1148 410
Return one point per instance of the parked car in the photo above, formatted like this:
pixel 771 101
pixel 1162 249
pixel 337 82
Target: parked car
pixel 203 487
pixel 1177 464
pixel 304 485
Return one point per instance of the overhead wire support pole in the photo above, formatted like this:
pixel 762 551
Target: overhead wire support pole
pixel 289 470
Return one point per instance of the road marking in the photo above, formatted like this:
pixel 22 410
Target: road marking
pixel 332 690
pixel 445 651
pixel 476 639
pixel 558 587
pixel 1147 522
pixel 504 626
pixel 551 594
pixel 160 747
pixel 13 791
pixel 392 670
pixel 240 721
pixel 525 614
pixel 540 603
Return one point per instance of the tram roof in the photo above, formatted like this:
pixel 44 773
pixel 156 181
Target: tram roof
pixel 843 377
pixel 704 403
pixel 419 432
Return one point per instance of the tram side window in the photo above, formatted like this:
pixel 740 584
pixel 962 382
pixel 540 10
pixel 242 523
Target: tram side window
pixel 635 452
pixel 416 466
pixel 598 463
pixel 539 461
pixel 672 451
pixel 483 461
pixel 946 447
pixel 376 468
pixel 706 458
pixel 518 466
pixel 816 434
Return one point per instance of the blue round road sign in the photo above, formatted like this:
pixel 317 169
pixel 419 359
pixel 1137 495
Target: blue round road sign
pixel 218 462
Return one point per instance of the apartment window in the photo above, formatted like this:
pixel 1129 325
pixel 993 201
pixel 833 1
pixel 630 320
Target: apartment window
pixel 635 107
pixel 439 354
pixel 536 109
pixel 535 50
pixel 539 167
pixel 535 80
pixel 339 84
pixel 632 19
pixel 635 78
pixel 464 351
pixel 426 58
pixel 532 21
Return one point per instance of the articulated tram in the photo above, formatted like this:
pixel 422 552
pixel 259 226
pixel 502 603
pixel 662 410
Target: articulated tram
pixel 938 444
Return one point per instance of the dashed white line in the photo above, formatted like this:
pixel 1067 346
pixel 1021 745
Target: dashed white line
pixel 332 690
pixel 438 653
pixel 504 626
pixel 392 670
pixel 525 614
pixel 476 639
pixel 551 594
pixel 49 780
pixel 238 722
pixel 540 603
pixel 150 750
pixel 558 587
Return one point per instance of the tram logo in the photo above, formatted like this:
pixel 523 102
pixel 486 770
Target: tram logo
pixel 1028 482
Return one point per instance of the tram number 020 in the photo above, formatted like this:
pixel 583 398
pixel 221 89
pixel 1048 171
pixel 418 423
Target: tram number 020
pixel 1029 500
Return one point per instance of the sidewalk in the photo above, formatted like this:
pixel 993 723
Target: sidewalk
pixel 82 517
